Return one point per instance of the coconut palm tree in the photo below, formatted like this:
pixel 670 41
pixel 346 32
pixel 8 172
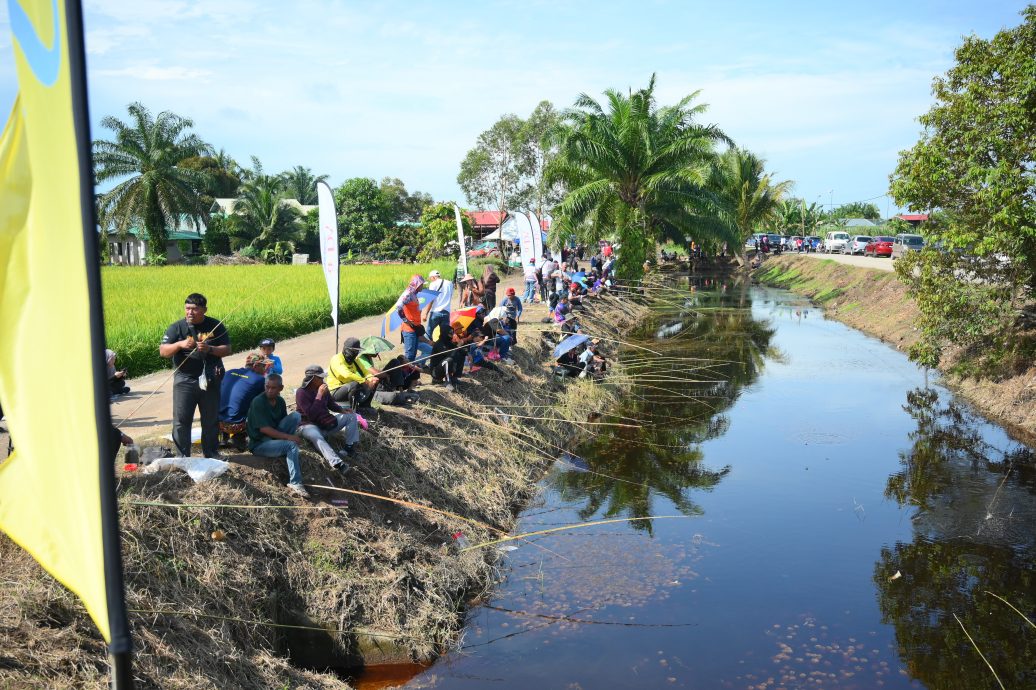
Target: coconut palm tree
pixel 260 217
pixel 158 191
pixel 301 184
pixel 634 167
pixel 745 197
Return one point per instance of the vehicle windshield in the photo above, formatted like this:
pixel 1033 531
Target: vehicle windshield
pixel 913 239
pixel 884 239
pixel 840 236
pixel 862 238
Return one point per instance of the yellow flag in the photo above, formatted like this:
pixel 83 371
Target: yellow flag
pixel 51 487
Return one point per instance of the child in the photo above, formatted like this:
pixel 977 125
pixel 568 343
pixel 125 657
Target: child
pixel 266 346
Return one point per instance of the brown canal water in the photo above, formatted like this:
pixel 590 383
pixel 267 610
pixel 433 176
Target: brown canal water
pixel 845 521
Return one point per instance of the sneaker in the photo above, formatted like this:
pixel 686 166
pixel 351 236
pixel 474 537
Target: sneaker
pixel 507 360
pixel 450 387
pixel 341 468
pixel 299 490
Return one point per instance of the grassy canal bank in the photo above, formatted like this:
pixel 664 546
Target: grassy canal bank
pixel 877 303
pixel 236 583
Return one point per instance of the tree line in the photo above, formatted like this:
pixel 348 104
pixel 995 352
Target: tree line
pixel 167 178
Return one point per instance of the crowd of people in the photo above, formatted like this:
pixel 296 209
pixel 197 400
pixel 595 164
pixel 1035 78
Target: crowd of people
pixel 244 408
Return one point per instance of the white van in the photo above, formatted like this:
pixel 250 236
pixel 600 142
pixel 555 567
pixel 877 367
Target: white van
pixel 835 242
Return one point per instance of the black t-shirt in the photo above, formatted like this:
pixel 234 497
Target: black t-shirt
pixel 193 362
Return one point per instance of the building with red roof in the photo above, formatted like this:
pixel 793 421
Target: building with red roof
pixel 914 219
pixel 485 222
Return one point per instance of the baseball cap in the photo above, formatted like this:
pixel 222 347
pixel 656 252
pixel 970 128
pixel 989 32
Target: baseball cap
pixel 266 342
pixel 313 371
pixel 435 274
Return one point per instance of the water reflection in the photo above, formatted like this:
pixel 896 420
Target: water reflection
pixel 678 401
pixel 974 537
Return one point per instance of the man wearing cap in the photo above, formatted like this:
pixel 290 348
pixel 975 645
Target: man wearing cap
pixel 512 307
pixel 271 431
pixel 197 345
pixel 239 388
pixel 546 272
pixel 321 416
pixel 266 346
pixel 437 312
pixel 348 378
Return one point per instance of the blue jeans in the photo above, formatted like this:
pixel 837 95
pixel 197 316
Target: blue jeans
pixel 530 292
pixel 346 424
pixel 437 318
pixel 275 447
pixel 503 344
pixel 412 344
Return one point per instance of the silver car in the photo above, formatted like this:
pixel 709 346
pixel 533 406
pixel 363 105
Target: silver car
pixel 856 244
pixel 906 243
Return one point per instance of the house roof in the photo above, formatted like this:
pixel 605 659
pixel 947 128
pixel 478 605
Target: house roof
pixel 859 223
pixel 226 206
pixel 913 217
pixel 484 218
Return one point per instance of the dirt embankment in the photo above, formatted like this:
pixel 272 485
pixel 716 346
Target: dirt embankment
pixel 247 586
pixel 877 303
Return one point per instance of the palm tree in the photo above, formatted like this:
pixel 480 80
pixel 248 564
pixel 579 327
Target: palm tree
pixel 745 197
pixel 301 184
pixel 635 167
pixel 260 217
pixel 158 192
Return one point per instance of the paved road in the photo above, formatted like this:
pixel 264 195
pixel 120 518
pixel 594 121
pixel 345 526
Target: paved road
pixel 878 263
pixel 142 416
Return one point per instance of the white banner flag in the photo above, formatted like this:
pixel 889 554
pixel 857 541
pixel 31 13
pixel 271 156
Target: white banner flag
pixel 460 240
pixel 525 239
pixel 537 236
pixel 329 245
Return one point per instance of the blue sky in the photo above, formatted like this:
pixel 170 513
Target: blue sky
pixel 827 92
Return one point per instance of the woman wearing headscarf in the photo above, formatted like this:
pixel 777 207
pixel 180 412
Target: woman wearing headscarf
pixel 489 281
pixel 409 309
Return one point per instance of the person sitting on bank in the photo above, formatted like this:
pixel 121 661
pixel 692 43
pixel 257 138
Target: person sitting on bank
pixel 271 431
pixel 442 362
pixel 240 387
pixel 116 377
pixel 563 309
pixel 397 377
pixel 322 417
pixel 348 379
pixel 495 328
pixel 267 346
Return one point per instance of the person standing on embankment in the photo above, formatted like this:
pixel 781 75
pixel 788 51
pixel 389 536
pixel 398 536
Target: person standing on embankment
pixel 197 345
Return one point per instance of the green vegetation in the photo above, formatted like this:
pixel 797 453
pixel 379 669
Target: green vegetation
pixel 974 164
pixel 255 301
pixel 156 190
pixel 635 169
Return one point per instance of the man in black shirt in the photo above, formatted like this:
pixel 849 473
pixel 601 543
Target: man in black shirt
pixel 196 344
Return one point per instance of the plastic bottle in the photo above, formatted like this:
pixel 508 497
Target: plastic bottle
pixel 460 540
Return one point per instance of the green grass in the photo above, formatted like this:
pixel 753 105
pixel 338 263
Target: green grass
pixel 255 302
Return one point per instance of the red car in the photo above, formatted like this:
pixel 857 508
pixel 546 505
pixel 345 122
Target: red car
pixel 879 246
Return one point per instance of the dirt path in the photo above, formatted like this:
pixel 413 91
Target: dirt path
pixel 142 416
pixel 880 263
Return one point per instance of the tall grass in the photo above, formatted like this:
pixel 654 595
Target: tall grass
pixel 255 302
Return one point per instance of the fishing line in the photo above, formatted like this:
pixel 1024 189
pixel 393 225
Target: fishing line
pixel 576 526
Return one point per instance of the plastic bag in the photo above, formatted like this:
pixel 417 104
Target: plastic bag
pixel 199 469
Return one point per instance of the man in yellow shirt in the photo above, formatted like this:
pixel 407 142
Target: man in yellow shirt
pixel 348 377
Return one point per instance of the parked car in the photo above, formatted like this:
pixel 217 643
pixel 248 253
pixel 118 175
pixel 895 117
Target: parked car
pixel 794 243
pixel 904 243
pixel 812 243
pixel 484 249
pixel 777 243
pixel 856 244
pixel 834 242
pixel 879 246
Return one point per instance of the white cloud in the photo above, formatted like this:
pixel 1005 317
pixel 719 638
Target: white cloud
pixel 156 73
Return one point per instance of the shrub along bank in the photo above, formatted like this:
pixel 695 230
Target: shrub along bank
pixel 877 303
pixel 225 594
